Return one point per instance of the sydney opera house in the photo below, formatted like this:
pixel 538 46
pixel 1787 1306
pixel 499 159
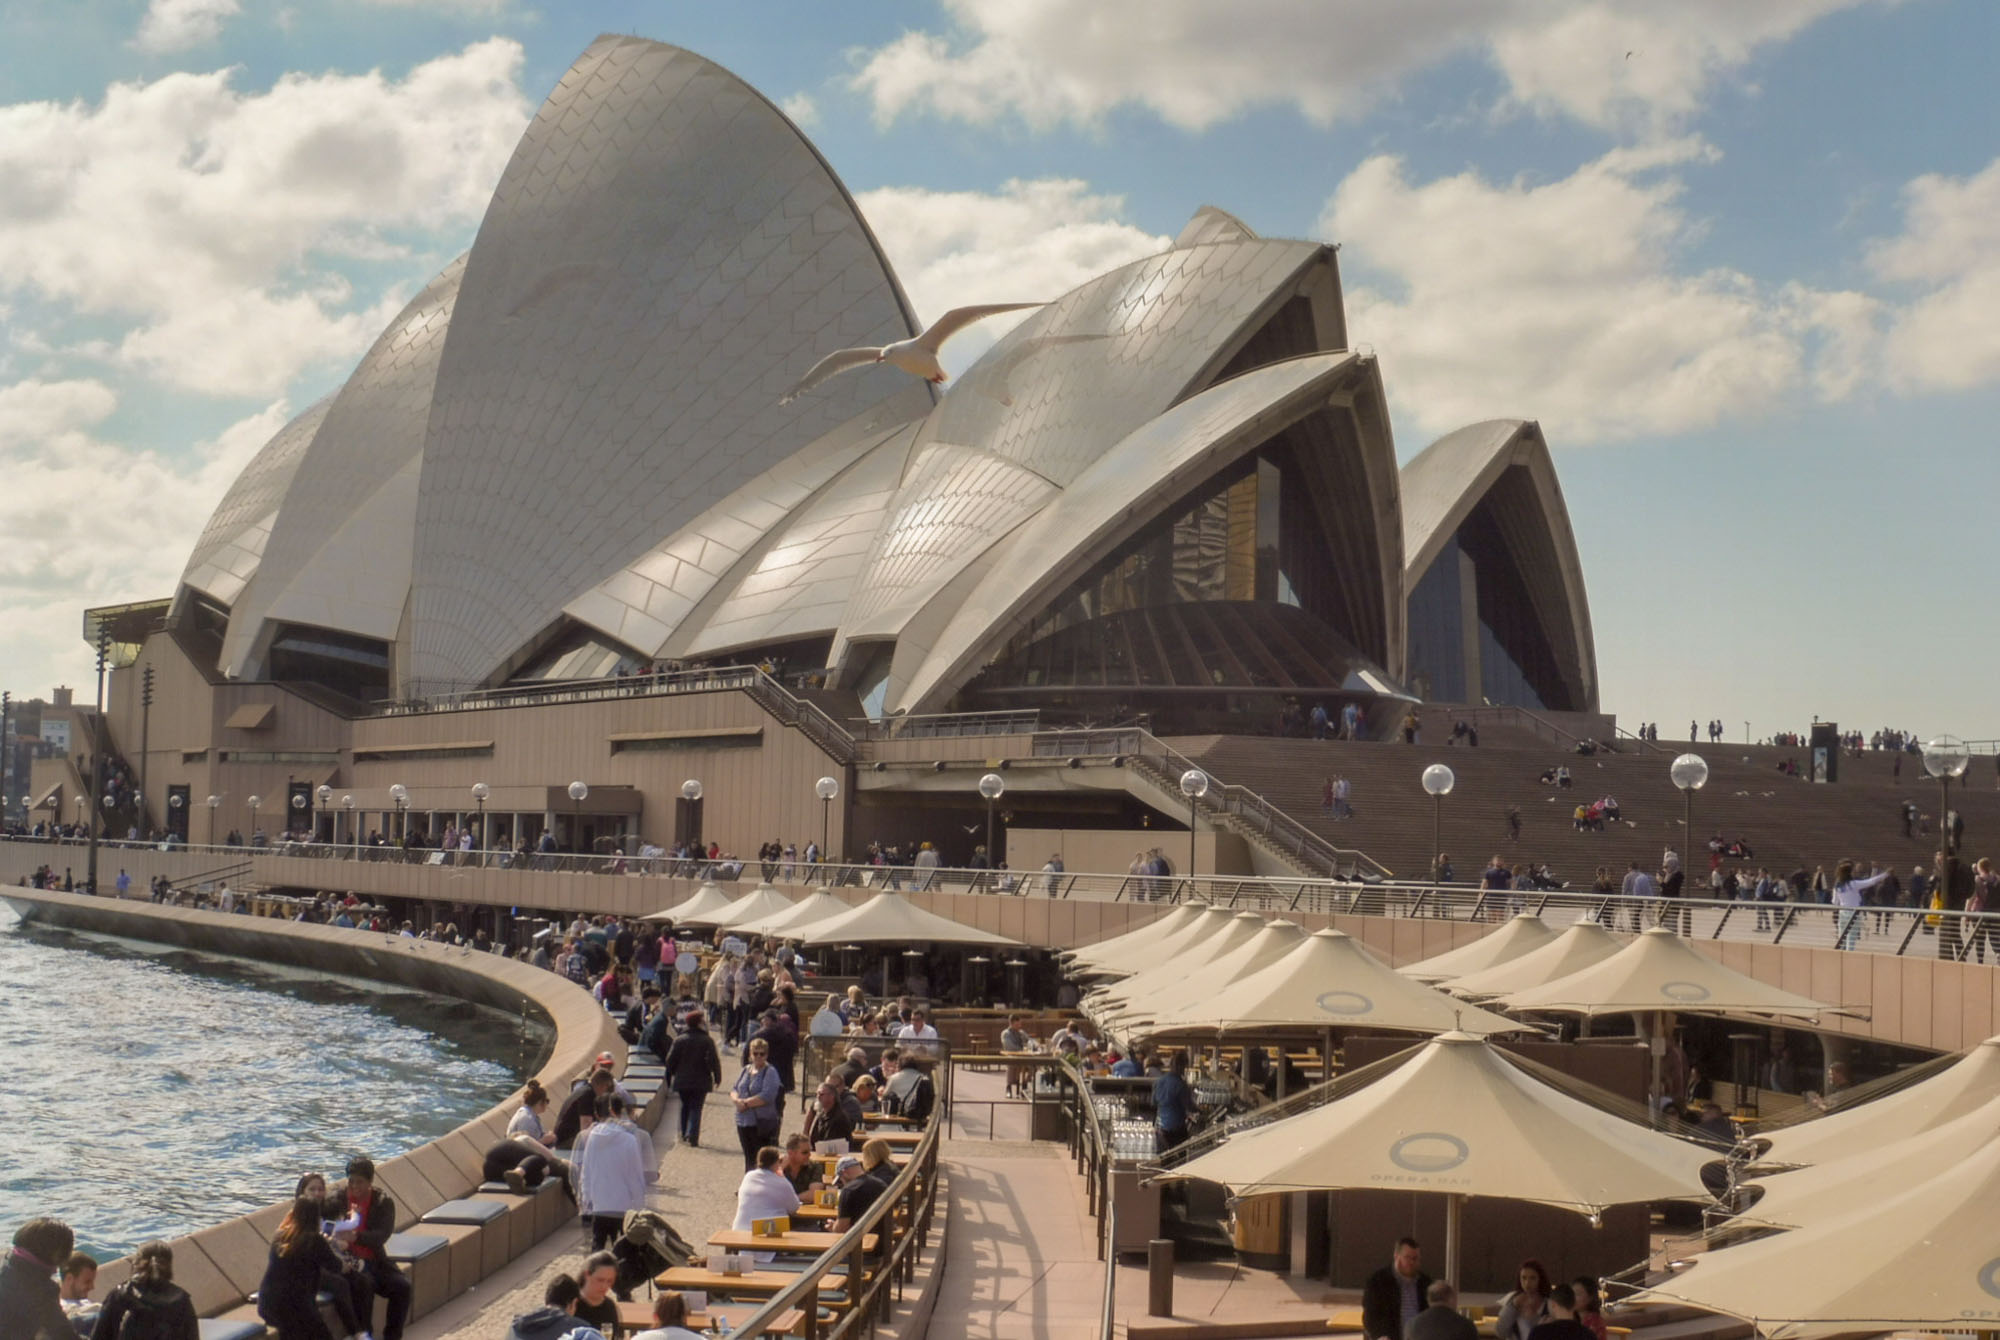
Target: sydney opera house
pixel 568 468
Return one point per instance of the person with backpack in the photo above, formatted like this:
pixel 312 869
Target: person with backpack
pixel 149 1305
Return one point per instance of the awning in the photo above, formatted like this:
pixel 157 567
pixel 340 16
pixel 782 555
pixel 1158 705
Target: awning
pixel 251 716
pixel 1518 935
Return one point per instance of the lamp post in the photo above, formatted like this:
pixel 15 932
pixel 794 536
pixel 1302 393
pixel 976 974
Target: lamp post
pixel 1194 785
pixel 99 740
pixel 1946 757
pixel 481 792
pixel 176 802
pixel 826 788
pixel 214 803
pixel 1690 774
pixel 992 786
pixel 325 795
pixel 256 802
pixel 1438 780
pixel 299 801
pixel 400 794
pixel 353 830
pixel 577 792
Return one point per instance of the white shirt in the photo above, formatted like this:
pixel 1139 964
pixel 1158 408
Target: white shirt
pixel 526 1123
pixel 668 1333
pixel 763 1194
pixel 610 1170
pixel 912 1033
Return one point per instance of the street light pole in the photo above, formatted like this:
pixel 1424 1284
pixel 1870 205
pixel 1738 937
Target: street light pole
pixel 992 786
pixel 214 803
pixel 256 802
pixel 353 829
pixel 97 753
pixel 480 793
pixel 826 788
pixel 1194 785
pixel 1438 780
pixel 1690 773
pixel 577 792
pixel 325 795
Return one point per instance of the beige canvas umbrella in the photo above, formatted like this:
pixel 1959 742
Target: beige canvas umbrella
pixel 1137 958
pixel 1577 947
pixel 762 901
pixel 1156 929
pixel 1185 990
pixel 1658 971
pixel 1329 981
pixel 792 922
pixel 1925 1257
pixel 1805 1196
pixel 1236 931
pixel 1968 1083
pixel 699 910
pixel 890 918
pixel 1509 940
pixel 1462 1118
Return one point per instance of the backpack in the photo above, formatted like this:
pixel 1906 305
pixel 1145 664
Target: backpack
pixel 152 1314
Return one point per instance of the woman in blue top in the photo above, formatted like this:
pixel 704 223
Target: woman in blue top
pixel 756 1094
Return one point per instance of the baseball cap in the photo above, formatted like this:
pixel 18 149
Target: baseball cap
pixel 605 1059
pixel 847 1161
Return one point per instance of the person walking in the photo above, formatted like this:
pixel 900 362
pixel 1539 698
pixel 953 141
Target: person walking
pixel 694 1067
pixel 756 1094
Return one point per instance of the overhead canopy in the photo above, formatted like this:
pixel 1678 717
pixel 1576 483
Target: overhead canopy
pixel 1925 1257
pixel 1237 930
pixel 1135 958
pixel 1808 1196
pixel 1510 940
pixel 1661 971
pixel 1461 1117
pixel 1157 928
pixel 1576 948
pixel 700 910
pixel 761 902
pixel 890 918
pixel 793 921
pixel 1970 1082
pixel 1329 980
pixel 1185 990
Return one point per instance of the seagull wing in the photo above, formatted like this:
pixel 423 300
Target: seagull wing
pixel 958 318
pixel 835 363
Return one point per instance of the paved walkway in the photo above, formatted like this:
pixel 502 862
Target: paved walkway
pixel 696 1192
pixel 1021 1249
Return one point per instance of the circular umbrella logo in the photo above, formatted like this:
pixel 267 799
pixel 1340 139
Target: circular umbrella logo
pixel 1685 992
pixel 1429 1152
pixel 1989 1277
pixel 1345 1002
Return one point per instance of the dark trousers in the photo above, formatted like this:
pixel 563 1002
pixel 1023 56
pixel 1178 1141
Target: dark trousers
pixel 342 1290
pixel 691 1105
pixel 378 1278
pixel 605 1229
pixel 754 1138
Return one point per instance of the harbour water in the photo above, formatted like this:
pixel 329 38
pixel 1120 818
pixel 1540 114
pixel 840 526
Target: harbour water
pixel 152 1091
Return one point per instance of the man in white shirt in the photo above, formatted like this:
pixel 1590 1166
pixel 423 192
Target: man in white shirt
pixel 764 1193
pixel 918 1030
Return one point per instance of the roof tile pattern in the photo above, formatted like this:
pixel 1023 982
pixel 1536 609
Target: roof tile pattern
pixel 1055 394
pixel 663 256
pixel 225 558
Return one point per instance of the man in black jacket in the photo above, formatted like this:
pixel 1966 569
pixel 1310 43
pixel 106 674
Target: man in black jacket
pixel 378 1274
pixel 1395 1294
pixel 693 1068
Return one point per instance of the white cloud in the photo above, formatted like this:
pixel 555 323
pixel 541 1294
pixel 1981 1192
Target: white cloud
pixel 1945 337
pixel 209 218
pixel 1029 241
pixel 176 25
pixel 803 110
pixel 1562 301
pixel 1195 63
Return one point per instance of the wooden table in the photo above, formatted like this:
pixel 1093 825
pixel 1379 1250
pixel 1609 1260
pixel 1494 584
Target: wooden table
pixel 901 1141
pixel 813 1243
pixel 751 1281
pixel 883 1119
pixel 638 1316
pixel 828 1213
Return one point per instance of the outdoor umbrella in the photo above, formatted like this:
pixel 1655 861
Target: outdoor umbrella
pixel 1156 929
pixel 892 918
pixel 1659 970
pixel 1184 990
pixel 1329 981
pixel 1805 1196
pixel 762 901
pixel 1926 1257
pixel 792 922
pixel 1137 958
pixel 1238 930
pixel 1577 947
pixel 1969 1082
pixel 696 911
pixel 1510 940
pixel 1462 1118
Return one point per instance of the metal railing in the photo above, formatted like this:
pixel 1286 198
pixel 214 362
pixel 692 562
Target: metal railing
pixel 945 725
pixel 872 1287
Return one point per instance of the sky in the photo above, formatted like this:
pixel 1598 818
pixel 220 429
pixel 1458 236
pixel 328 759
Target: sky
pixel 1741 261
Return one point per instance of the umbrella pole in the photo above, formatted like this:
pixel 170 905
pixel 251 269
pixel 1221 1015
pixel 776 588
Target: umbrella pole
pixel 1454 1221
pixel 1656 1048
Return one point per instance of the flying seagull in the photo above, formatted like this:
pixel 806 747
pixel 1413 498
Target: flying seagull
pixel 918 357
